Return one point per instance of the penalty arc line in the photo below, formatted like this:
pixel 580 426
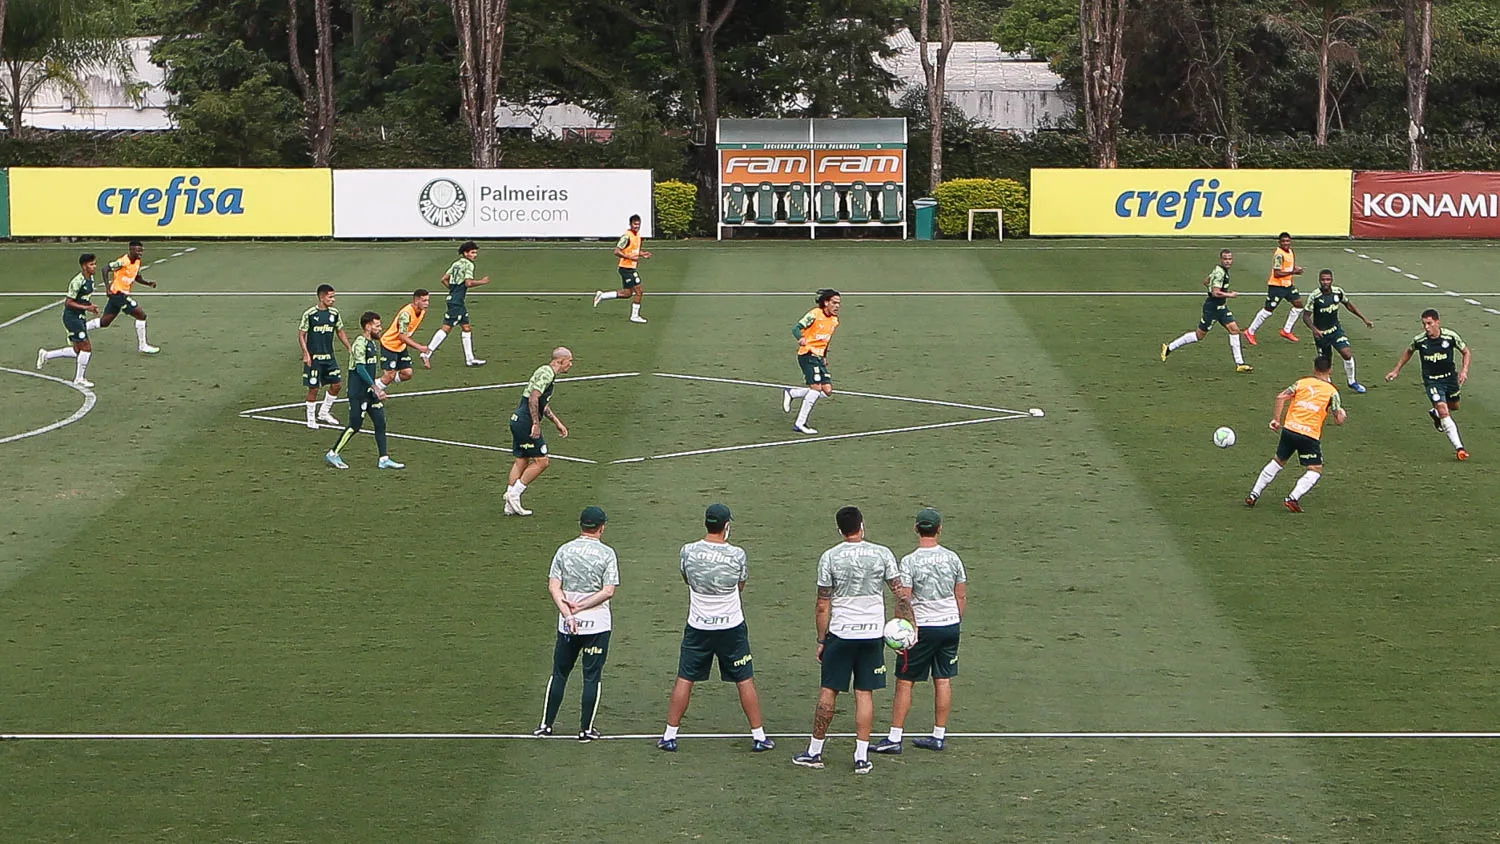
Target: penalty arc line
pixel 1023 736
pixel 414 438
pixel 909 399
pixel 825 438
pixel 448 390
pixel 89 400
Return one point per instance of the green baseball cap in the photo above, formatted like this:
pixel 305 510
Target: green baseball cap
pixel 716 516
pixel 928 518
pixel 593 517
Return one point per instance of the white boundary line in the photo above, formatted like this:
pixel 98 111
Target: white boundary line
pixel 1083 735
pixel 820 439
pixel 12 321
pixel 447 390
pixel 89 400
pixel 1468 297
pixel 846 393
pixel 413 437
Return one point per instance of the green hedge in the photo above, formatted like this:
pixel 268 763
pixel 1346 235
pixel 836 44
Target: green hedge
pixel 956 196
pixel 675 204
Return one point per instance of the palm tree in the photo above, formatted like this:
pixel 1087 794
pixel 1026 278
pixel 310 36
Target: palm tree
pixel 58 41
pixel 1328 27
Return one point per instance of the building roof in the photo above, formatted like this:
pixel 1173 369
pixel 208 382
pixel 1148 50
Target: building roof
pixel 972 66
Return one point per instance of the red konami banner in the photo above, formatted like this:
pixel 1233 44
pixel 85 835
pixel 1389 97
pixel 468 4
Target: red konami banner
pixel 1437 205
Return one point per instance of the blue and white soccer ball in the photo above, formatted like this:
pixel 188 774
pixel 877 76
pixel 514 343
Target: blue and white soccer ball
pixel 900 634
pixel 1224 436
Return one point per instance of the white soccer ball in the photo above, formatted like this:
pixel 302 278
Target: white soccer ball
pixel 900 634
pixel 1224 437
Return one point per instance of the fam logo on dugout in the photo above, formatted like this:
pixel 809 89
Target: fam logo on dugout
pixel 215 202
pixel 443 203
pixel 1244 203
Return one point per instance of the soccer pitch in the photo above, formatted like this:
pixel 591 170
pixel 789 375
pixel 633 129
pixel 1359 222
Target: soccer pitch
pixel 1143 659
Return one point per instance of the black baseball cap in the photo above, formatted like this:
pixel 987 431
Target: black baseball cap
pixel 593 517
pixel 716 517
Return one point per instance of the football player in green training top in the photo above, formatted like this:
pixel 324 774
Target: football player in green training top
pixel 1215 309
pixel 1322 316
pixel 527 445
pixel 459 278
pixel 76 307
pixel 319 367
pixel 366 394
pixel 1440 378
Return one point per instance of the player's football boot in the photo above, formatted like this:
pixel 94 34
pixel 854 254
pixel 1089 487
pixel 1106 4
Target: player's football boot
pixel 1288 336
pixel 598 297
pixel 589 735
pixel 148 350
pixel 335 461
pixel 544 731
pixel 803 429
pixel 808 760
pixel 328 419
pixel 1250 335
pixel 1164 352
pixel 758 746
pixel 1462 454
pixel 639 319
pixel 863 766
pixel 1251 499
pixel 1357 387
pixel 476 362
pixel 41 358
pixel 885 745
pixel 1243 367
pixel 388 463
pixel 927 743
pixel 1291 505
pixel 667 744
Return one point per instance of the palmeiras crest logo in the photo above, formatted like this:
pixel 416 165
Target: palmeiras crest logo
pixel 442 203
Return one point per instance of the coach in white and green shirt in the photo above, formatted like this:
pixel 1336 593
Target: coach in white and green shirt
pixel 582 581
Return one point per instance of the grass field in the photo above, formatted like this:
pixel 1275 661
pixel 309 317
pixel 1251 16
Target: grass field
pixel 172 566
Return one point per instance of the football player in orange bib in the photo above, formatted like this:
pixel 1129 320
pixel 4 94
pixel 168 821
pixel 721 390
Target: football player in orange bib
pixel 628 250
pixel 123 274
pixel 813 332
pixel 1301 410
pixel 1281 284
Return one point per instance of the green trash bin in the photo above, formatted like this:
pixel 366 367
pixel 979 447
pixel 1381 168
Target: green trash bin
pixel 926 217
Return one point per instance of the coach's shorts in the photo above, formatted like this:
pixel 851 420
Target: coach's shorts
pixel 730 647
pixel 1308 450
pixel 322 372
pixel 935 653
pixel 629 277
pixel 522 444
pixel 76 324
pixel 120 302
pixel 394 361
pixel 862 659
pixel 814 370
pixel 1275 294
pixel 456 315
pixel 1445 391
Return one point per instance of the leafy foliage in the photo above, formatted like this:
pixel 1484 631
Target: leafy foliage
pixel 676 202
pixel 957 196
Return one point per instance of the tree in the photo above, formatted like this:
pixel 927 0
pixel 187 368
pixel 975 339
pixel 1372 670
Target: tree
pixel 1327 26
pixel 57 42
pixel 1417 44
pixel 1102 34
pixel 481 41
pixel 317 94
pixel 936 81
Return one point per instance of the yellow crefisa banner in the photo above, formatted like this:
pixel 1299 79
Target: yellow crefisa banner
pixel 1188 203
pixel 214 202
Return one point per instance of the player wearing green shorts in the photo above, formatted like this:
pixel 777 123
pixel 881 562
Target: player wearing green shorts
pixel 715 573
pixel 459 278
pixel 814 333
pixel 527 445
pixel 582 581
pixel 1280 285
pixel 850 620
pixel 120 276
pixel 1441 377
pixel 628 250
pixel 366 394
pixel 315 333
pixel 1215 309
pixel 1322 317
pixel 1301 411
pixel 77 306
pixel 939 597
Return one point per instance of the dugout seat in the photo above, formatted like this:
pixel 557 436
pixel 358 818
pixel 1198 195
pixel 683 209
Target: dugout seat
pixel 828 203
pixel 734 204
pixel 890 203
pixel 796 203
pixel 859 203
pixel 765 203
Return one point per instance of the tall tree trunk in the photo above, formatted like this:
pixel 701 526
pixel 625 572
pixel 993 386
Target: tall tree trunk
pixel 17 102
pixel 709 24
pixel 1417 40
pixel 1102 33
pixel 1321 137
pixel 937 78
pixel 481 41
pixel 318 111
pixel 3 4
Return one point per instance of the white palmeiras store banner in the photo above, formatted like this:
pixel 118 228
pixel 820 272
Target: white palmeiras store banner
pixel 489 203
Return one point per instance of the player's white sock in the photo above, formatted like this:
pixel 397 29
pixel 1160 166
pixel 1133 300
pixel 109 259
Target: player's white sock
pixel 1260 319
pixel 1234 346
pixel 669 733
pixel 1291 319
pixel 758 733
pixel 1305 483
pixel 312 411
pixel 798 392
pixel 437 340
pixel 64 352
pixel 140 333
pixel 1349 370
pixel 1190 337
pixel 468 346
pixel 517 488
pixel 1451 429
pixel 939 732
pixel 861 751
pixel 92 325
pixel 807 405
pixel 83 366
pixel 328 401
pixel 814 746
pixel 896 733
pixel 635 310
pixel 612 294
pixel 1267 475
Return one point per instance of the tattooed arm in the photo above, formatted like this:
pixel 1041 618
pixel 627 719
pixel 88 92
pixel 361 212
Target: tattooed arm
pixel 822 614
pixel 903 599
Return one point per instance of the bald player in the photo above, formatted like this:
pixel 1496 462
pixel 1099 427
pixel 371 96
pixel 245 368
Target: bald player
pixel 527 444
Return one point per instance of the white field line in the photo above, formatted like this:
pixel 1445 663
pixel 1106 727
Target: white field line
pixel 13 320
pixel 539 294
pixel 447 390
pixel 846 393
pixel 825 438
pixel 1019 736
pixel 435 440
pixel 89 400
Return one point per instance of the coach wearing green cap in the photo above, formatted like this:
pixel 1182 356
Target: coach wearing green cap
pixel 715 573
pixel 583 578
pixel 939 595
